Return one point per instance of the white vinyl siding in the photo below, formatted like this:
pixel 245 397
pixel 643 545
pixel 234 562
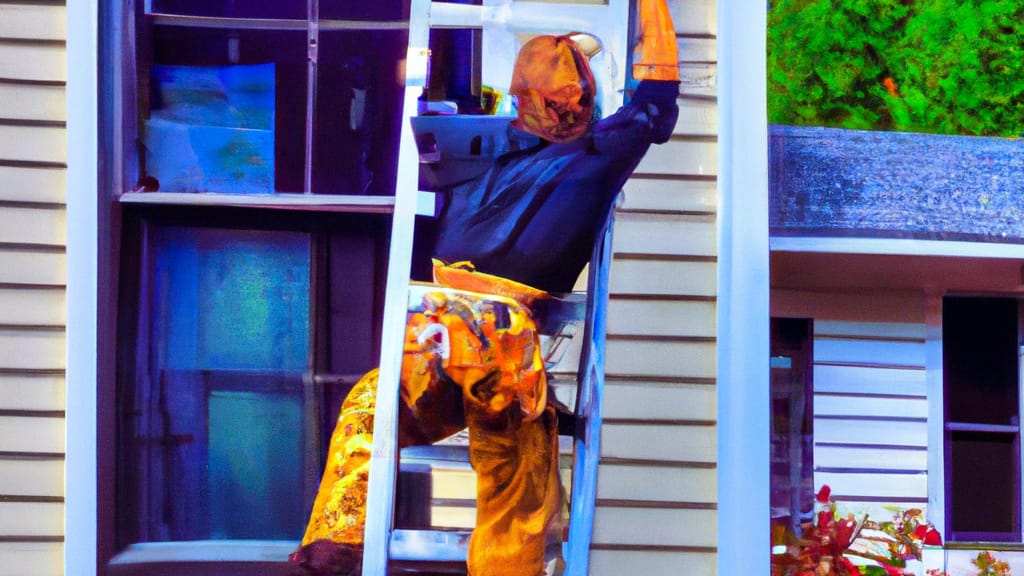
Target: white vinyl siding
pixel 33 157
pixel 657 495
pixel 871 414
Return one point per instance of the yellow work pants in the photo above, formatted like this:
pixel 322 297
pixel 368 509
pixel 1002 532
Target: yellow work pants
pixel 469 360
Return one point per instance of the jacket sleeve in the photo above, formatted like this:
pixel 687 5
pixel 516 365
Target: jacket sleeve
pixel 648 118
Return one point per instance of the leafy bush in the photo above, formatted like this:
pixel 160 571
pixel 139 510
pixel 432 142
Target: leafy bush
pixel 945 66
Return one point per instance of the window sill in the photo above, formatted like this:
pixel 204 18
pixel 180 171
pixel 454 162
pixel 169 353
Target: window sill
pixel 206 557
pixel 984 545
pixel 425 203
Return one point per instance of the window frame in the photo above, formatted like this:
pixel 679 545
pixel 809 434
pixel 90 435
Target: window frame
pixel 940 429
pixel 105 203
pixel 327 375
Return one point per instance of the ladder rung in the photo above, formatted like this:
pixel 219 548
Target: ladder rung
pixel 429 545
pixel 556 18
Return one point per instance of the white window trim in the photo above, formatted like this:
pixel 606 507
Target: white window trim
pixel 936 413
pixel 936 416
pixel 80 485
pixel 743 288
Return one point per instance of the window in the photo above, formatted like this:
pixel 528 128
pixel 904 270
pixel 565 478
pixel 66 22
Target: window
pixel 261 97
pixel 792 423
pixel 239 339
pixel 253 166
pixel 981 367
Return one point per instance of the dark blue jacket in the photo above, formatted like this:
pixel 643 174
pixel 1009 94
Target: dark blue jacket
pixel 534 216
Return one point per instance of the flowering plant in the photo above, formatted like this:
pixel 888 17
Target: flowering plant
pixel 825 546
pixel 988 566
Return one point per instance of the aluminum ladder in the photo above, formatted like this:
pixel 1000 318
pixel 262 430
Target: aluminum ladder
pixel 499 20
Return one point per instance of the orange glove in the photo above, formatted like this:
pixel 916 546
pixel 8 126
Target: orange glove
pixel 656 56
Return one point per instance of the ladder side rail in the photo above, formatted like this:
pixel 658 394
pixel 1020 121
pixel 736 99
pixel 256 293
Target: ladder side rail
pixel 587 442
pixel 380 499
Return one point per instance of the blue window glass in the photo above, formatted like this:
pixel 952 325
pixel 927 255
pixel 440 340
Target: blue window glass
pixel 221 430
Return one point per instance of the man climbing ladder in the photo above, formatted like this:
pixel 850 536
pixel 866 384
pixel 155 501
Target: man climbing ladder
pixel 472 356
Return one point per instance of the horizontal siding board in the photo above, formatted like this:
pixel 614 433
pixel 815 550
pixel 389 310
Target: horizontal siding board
pixel 32 349
pixel 697 49
pixel 659 484
pixel 887 353
pixel 694 16
pixel 655 526
pixel 659 317
pixel 33 143
pixel 652 442
pixel 874 485
pixel 866 431
pixel 31 434
pixel 26 267
pixel 33 102
pixel 698 79
pixel 32 21
pixel 869 380
pixel 35 558
pixel 33 62
pixel 870 458
pixel 848 406
pixel 31 519
pixel 907 330
pixel 654 401
pixel 663 278
pixel 673 195
pixel 665 234
pixel 43 226
pixel 31 392
pixel 453 517
pixel 32 307
pixel 653 563
pixel 680 157
pixel 453 484
pixel 663 359
pixel 31 477
pixel 697 117
pixel 20 184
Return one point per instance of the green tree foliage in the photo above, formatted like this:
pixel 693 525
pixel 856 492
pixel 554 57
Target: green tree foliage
pixel 945 66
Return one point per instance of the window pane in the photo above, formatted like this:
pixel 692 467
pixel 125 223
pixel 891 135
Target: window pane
pixel 984 493
pixel 980 360
pixel 358 120
pixel 377 10
pixel 234 9
pixel 227 110
pixel 220 405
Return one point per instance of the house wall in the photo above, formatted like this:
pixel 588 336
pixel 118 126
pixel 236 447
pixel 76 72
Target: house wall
pixel 32 286
pixel 870 401
pixel 657 495
pixel 657 498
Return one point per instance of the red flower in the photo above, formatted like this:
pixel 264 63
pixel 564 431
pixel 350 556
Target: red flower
pixel 845 531
pixel 927 535
pixel 824 494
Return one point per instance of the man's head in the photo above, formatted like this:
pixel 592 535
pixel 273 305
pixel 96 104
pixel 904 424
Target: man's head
pixel 555 87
